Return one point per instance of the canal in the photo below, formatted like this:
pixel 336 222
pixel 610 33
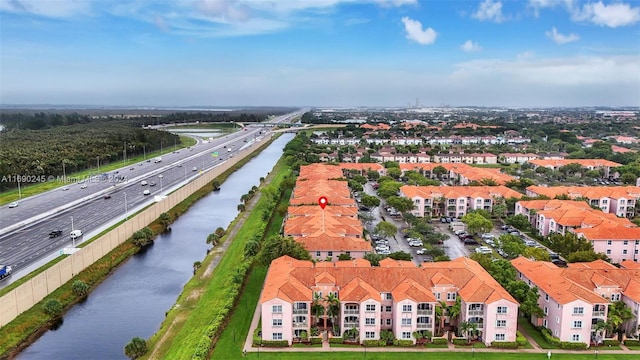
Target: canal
pixel 134 299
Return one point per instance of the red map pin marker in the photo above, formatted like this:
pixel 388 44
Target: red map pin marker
pixel 322 201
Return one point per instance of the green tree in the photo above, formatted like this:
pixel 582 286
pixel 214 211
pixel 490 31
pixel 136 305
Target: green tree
pixel 80 288
pixel 213 239
pixel 277 246
pixel 519 222
pixel 374 259
pixel 370 201
pixel 216 184
pixel 373 175
pixel 333 310
pixel 511 245
pixel 538 254
pixel 317 307
pixel 477 223
pixel 136 348
pixel 389 188
pixel 252 248
pixel 386 229
pixel 466 328
pixel 439 171
pixel 400 255
pixel 585 256
pixel 241 207
pixel 344 256
pixel 402 204
pixel 53 308
pixel 440 258
pixel 165 220
pixel 617 315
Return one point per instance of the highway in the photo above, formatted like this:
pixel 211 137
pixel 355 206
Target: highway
pixel 89 209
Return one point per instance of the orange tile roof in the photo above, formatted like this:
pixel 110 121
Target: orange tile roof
pixel 317 188
pixel 574 213
pixel 589 192
pixel 629 264
pixel 316 210
pixel 451 192
pixel 403 279
pixel 469 172
pixel 361 166
pixel 379 126
pixel 325 242
pixel 583 162
pixel 313 226
pixel 621 150
pixel 320 172
pixel 610 232
pixel 313 200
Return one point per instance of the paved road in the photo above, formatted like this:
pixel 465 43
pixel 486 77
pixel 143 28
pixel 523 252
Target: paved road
pixel 30 244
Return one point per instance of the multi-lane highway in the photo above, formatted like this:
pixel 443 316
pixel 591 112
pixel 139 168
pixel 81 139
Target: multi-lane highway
pixel 89 209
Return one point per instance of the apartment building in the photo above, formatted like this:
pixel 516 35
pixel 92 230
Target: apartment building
pixel 516 158
pixel 461 174
pixel 363 168
pixel 397 295
pixel 591 164
pixel 454 201
pixel 618 200
pixel 576 299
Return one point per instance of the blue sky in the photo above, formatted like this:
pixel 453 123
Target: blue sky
pixel 320 52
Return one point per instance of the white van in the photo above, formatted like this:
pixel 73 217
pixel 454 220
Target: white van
pixel 146 192
pixel 143 183
pixel 76 234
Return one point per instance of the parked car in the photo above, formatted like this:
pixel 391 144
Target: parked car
pixel 483 250
pixel 443 220
pixel 421 251
pixel 55 233
pixel 470 241
pixel 415 243
pixel 559 262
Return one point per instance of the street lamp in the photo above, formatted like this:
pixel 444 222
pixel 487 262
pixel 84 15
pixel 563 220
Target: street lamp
pixel 98 158
pixel 126 212
pixel 64 173
pixel 259 343
pixel 160 176
pixel 73 239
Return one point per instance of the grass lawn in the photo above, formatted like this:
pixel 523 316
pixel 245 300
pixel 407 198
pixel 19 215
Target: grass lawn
pixel 335 355
pixel 633 347
pixel 526 327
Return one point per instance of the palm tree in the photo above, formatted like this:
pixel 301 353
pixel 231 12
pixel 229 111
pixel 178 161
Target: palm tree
pixel 602 328
pixel 317 309
pixel 467 328
pixel 618 314
pixel 454 310
pixel 334 309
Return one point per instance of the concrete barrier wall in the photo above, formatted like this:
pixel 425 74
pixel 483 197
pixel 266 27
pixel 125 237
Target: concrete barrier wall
pixel 37 288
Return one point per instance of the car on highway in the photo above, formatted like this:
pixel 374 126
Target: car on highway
pixel 143 183
pixel 194 169
pixel 146 192
pixel 65 188
pixel 152 184
pixel 55 234
pixel 13 204
pixel 75 234
pixel 107 196
pixel 83 186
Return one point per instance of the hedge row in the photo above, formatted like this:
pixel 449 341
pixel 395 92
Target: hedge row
pixel 520 339
pixel 315 340
pixel 439 341
pixel 459 341
pixel 403 343
pixel 372 343
pixel 611 342
pixel 546 334
pixel 336 340
pixel 573 345
pixel 275 343
pixel 504 344
pixel 632 342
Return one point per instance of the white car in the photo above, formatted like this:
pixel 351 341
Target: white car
pixel 483 250
pixel 421 251
pixel 13 204
pixel 83 186
pixel 65 188
pixel 384 252
pixel 194 169
pixel 146 192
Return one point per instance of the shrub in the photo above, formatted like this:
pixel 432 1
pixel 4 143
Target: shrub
pixel 611 342
pixel 336 340
pixel 275 343
pixel 573 345
pixel 371 343
pixel 315 340
pixel 404 343
pixel 383 342
pixel 53 308
pixel 460 341
pixel 439 341
pixel 520 339
pixel 136 348
pixel 80 288
pixel 632 342
pixel 504 344
pixel 546 334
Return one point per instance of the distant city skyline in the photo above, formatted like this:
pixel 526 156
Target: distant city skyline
pixel 321 53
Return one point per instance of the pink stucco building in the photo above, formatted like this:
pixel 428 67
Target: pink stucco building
pixel 397 296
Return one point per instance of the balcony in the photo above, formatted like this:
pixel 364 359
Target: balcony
pixel 349 325
pixel 599 313
pixel 300 311
pixel 300 325
pixel 351 312
pixel 424 326
pixel 475 312
pixel 425 312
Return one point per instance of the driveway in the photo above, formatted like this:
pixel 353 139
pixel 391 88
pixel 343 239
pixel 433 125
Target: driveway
pixel 453 247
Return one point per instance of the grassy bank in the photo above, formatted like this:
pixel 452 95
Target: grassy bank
pixel 205 299
pixel 38 188
pixel 21 330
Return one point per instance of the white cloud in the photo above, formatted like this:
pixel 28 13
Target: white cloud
pixel 561 39
pixel 47 8
pixel 470 46
pixel 415 32
pixel 536 5
pixel 613 15
pixel 396 3
pixel 489 11
pixel 229 10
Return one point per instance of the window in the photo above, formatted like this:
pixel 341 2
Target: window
pixel 277 322
pixel 406 308
pixel 317 253
pixel 276 336
pixel 544 323
pixel 389 296
pixel 575 337
pixel 500 337
pixel 406 321
pixel 370 335
pixel 348 253
pixel 557 320
pixel 608 251
pixel 451 296
pixel 501 323
pixel 502 310
pixel 579 310
pixel 625 243
pixel 438 296
pixel 546 310
pixel 608 242
pixel 577 324
pixel 276 309
pixel 330 253
pixel 406 335
pixel 388 308
pixel 370 321
pixel 370 307
pixel 546 297
pixel 624 252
